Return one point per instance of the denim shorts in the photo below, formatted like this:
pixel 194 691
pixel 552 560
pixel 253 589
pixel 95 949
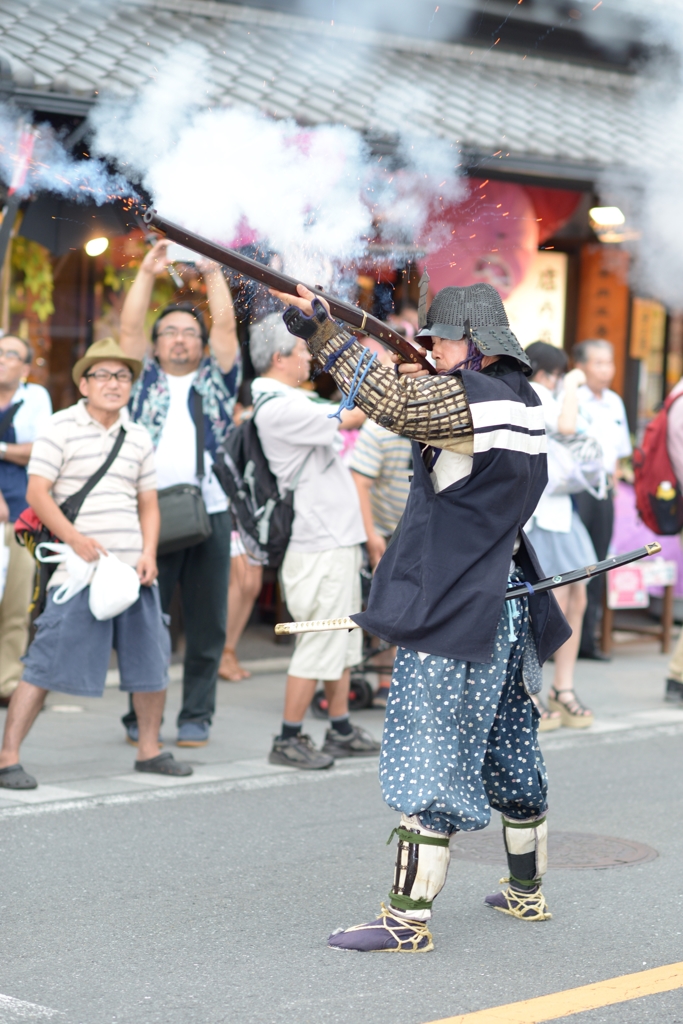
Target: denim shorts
pixel 71 649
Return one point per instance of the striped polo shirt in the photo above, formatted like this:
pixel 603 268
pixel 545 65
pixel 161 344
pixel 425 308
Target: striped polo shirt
pixel 70 449
pixel 387 459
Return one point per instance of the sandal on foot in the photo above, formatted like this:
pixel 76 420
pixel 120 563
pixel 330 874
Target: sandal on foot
pixel 549 720
pixel 526 904
pixel 572 712
pixel 230 668
pixel 387 934
pixel 15 777
pixel 163 764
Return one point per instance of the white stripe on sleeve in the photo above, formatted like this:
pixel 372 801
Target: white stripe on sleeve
pixel 505 413
pixel 511 440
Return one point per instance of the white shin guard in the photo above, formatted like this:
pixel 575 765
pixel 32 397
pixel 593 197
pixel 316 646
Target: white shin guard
pixel 421 867
pixel 526 843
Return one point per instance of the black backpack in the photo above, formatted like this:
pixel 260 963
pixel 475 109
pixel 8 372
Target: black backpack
pixel 264 517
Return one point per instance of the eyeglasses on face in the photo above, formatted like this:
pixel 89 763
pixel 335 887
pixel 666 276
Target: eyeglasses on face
pixel 185 332
pixel 104 376
pixel 12 356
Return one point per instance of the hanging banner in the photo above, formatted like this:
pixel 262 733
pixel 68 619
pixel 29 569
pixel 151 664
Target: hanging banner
pixel 536 308
pixel 648 327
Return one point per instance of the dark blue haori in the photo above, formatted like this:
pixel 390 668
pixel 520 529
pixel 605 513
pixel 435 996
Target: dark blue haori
pixel 440 586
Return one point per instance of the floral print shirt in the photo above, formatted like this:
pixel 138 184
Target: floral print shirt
pixel 150 399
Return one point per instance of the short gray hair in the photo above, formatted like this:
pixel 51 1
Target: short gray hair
pixel 267 337
pixel 581 352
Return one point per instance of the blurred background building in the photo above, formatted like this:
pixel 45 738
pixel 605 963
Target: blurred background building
pixel 538 107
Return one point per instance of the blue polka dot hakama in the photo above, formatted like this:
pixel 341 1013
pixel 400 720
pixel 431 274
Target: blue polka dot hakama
pixel 461 737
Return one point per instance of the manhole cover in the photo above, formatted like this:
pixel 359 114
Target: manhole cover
pixel 565 849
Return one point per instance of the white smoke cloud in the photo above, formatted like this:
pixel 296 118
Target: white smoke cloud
pixel 314 194
pixel 51 168
pixel 650 192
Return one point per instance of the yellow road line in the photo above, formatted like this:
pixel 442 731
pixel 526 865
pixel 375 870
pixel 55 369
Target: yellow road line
pixel 577 1000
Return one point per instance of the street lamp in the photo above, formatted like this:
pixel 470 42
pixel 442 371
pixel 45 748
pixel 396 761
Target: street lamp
pixel 96 246
pixel 609 224
pixel 607 216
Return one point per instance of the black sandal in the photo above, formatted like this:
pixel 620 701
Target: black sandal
pixel 163 764
pixel 15 777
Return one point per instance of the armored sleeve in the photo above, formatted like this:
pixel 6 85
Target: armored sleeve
pixel 431 410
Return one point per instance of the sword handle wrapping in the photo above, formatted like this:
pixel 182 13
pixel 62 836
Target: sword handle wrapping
pixel 314 626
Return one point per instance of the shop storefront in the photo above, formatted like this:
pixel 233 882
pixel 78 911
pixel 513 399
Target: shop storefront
pixel 531 137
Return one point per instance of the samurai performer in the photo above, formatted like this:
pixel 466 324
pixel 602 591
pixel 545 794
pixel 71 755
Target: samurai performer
pixel 460 734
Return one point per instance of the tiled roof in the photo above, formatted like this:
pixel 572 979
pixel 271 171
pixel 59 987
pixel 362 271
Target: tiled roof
pixel 532 111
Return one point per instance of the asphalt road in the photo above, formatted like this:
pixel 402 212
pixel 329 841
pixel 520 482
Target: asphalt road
pixel 211 902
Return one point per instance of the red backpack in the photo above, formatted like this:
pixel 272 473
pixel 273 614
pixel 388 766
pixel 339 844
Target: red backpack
pixel 658 493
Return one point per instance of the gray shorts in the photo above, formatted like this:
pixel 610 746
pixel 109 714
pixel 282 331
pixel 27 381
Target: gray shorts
pixel 71 649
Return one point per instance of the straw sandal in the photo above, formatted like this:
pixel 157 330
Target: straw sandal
pixel 527 906
pixel 387 934
pixel 572 712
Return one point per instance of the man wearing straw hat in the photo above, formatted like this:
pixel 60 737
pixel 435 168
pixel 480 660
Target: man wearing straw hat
pixel 119 515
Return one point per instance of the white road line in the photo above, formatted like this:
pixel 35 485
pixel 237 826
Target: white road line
pixel 42 795
pixel 258 774
pixel 566 739
pixel 293 778
pixel 13 1010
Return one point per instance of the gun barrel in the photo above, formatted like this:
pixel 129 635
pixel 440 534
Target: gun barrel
pixel 351 315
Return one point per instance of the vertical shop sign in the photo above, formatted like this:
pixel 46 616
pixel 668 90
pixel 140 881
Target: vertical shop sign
pixel 648 332
pixel 604 301
pixel 536 307
pixel 674 351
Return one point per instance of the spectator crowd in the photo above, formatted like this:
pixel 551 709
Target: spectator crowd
pixel 135 457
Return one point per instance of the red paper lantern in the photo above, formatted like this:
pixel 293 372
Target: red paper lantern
pixel 490 236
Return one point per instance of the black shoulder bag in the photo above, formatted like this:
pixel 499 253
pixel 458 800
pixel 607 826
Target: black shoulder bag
pixel 184 519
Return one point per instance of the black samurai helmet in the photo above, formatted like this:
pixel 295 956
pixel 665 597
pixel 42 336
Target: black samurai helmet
pixel 475 312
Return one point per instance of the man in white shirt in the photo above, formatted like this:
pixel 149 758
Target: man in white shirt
pixel 24 412
pixel 162 401
pixel 605 416
pixel 320 573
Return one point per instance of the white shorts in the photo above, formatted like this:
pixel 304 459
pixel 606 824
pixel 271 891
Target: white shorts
pixel 323 585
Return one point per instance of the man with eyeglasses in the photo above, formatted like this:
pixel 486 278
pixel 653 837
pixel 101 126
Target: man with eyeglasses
pixel 119 516
pixel 163 401
pixel 24 411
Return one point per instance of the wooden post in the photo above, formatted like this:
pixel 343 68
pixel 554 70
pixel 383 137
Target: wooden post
pixel 667 617
pixel 607 625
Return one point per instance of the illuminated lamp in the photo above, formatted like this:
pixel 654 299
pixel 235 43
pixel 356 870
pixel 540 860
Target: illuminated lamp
pixel 96 246
pixel 607 216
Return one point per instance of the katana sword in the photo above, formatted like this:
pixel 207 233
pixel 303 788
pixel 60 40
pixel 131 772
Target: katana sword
pixel 350 314
pixel 519 590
